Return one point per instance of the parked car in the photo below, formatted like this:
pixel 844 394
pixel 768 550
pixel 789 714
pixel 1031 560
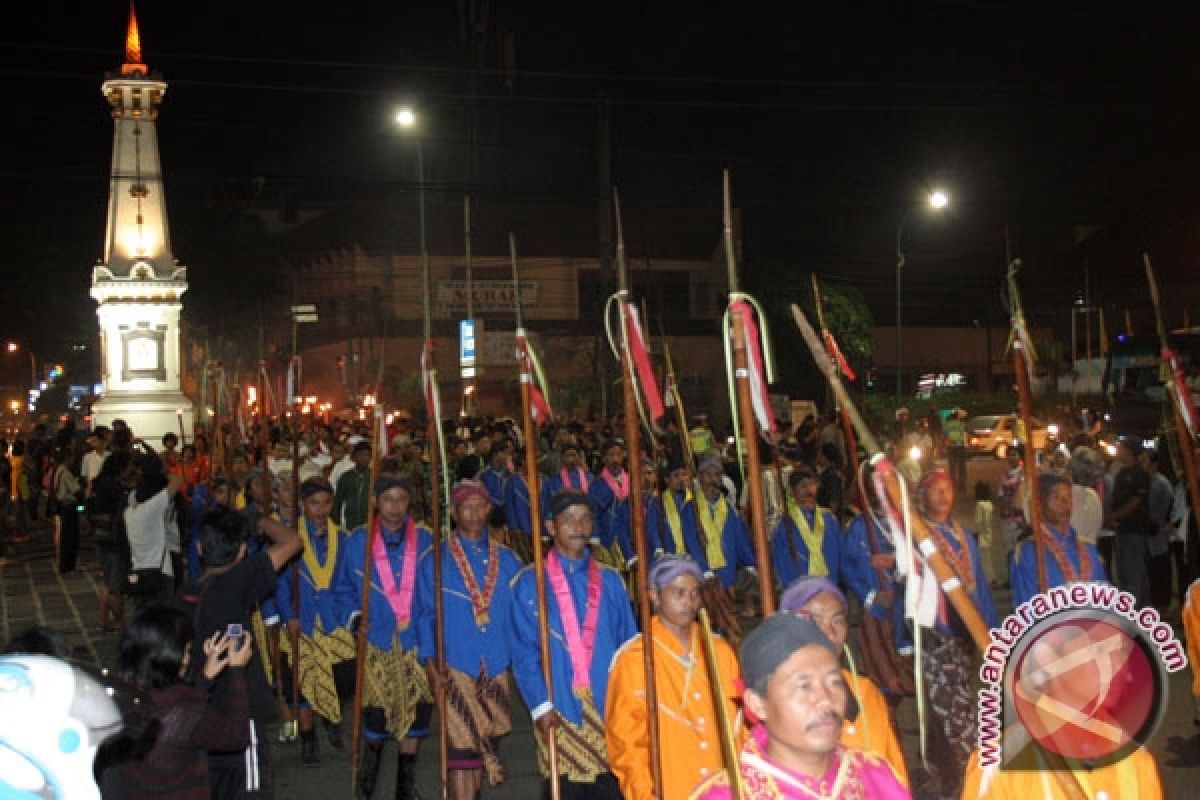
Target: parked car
pixel 993 434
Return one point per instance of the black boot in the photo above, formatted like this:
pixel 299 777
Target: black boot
pixel 406 777
pixel 310 752
pixel 334 733
pixel 368 769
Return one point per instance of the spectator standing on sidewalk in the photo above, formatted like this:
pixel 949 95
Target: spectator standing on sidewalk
pixel 1129 516
pixel 65 494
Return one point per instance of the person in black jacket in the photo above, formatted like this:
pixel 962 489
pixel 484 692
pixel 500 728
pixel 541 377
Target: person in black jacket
pixel 109 491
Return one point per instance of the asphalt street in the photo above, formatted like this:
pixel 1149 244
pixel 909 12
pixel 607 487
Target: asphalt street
pixel 32 593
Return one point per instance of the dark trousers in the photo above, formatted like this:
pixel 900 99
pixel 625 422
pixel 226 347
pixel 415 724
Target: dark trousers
pixel 1131 566
pixel 605 788
pixel 68 541
pixel 1104 548
pixel 956 461
pixel 1179 565
pixel 1158 571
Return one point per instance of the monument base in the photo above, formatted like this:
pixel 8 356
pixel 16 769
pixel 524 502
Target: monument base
pixel 149 414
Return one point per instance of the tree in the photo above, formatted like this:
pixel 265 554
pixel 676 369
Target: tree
pixel 846 315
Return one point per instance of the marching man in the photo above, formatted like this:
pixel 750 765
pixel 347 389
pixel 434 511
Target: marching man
pixel 589 618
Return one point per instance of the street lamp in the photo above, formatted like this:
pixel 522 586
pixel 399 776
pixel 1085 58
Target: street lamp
pixel 406 120
pixel 13 347
pixel 937 200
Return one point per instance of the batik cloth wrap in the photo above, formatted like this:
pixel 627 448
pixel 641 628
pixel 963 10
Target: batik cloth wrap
pixel 582 753
pixel 395 682
pixel 318 654
pixel 477 714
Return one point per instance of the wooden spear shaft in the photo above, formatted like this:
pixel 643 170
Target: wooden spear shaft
pixel 1031 466
pixel 955 592
pixel 724 725
pixel 360 663
pixel 637 512
pixel 758 519
pixel 532 481
pixel 749 432
pixel 843 418
pixel 1183 435
pixel 637 518
pixel 298 513
pixel 539 564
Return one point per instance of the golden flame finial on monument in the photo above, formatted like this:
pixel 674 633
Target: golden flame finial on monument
pixel 133 46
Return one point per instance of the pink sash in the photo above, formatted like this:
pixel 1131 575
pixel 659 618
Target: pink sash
pixel 579 473
pixel 579 646
pixel 619 488
pixel 400 599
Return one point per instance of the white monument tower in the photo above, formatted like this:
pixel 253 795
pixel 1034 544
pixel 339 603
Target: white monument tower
pixel 139 284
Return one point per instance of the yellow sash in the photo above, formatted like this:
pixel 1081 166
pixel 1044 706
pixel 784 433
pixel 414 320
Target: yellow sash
pixel 813 538
pixel 321 574
pixel 674 524
pixel 712 519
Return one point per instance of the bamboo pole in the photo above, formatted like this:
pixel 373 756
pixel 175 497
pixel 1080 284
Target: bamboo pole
pixel 1022 365
pixel 529 426
pixel 370 533
pixel 959 599
pixel 637 513
pixel 748 432
pixel 724 727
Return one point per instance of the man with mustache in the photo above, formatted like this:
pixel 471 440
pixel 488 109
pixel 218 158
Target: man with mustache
pixel 609 492
pixel 818 599
pixel 798 697
pixel 589 616
pixel 476 607
pixel 1068 558
pixel 808 540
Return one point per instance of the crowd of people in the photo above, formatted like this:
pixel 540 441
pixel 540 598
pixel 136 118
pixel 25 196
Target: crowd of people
pixel 246 568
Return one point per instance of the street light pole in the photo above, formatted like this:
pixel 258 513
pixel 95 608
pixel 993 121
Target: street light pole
pixel 899 308
pixel 937 200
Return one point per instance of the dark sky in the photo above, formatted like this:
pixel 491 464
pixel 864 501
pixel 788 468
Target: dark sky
pixel 834 118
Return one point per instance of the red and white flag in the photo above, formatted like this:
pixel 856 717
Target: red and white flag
pixel 835 352
pixel 539 408
pixel 641 362
pixel 759 397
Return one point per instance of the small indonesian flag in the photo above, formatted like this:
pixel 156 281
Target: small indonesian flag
pixel 641 362
pixel 757 374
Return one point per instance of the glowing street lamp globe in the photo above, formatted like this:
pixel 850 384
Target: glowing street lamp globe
pixel 406 118
pixel 939 199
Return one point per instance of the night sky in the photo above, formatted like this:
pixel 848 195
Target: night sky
pixel 834 118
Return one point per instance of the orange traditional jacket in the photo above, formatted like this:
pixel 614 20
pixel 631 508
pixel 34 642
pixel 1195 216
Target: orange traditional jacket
pixel 873 730
pixel 1133 778
pixel 689 737
pixel 1191 627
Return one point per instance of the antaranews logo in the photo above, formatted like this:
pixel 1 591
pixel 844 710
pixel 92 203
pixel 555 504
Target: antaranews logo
pixel 1078 672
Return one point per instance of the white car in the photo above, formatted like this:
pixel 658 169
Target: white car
pixel 995 433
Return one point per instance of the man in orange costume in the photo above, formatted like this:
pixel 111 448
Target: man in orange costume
pixel 687 723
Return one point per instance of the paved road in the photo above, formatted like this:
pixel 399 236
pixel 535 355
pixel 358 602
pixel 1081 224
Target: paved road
pixel 32 593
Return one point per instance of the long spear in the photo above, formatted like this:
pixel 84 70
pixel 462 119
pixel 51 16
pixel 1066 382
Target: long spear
pixel 360 664
pixel 637 514
pixel 1023 367
pixel 1181 402
pixel 437 462
pixel 923 538
pixel 724 726
pixel 298 513
pixel 735 330
pixel 529 425
pixel 831 351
